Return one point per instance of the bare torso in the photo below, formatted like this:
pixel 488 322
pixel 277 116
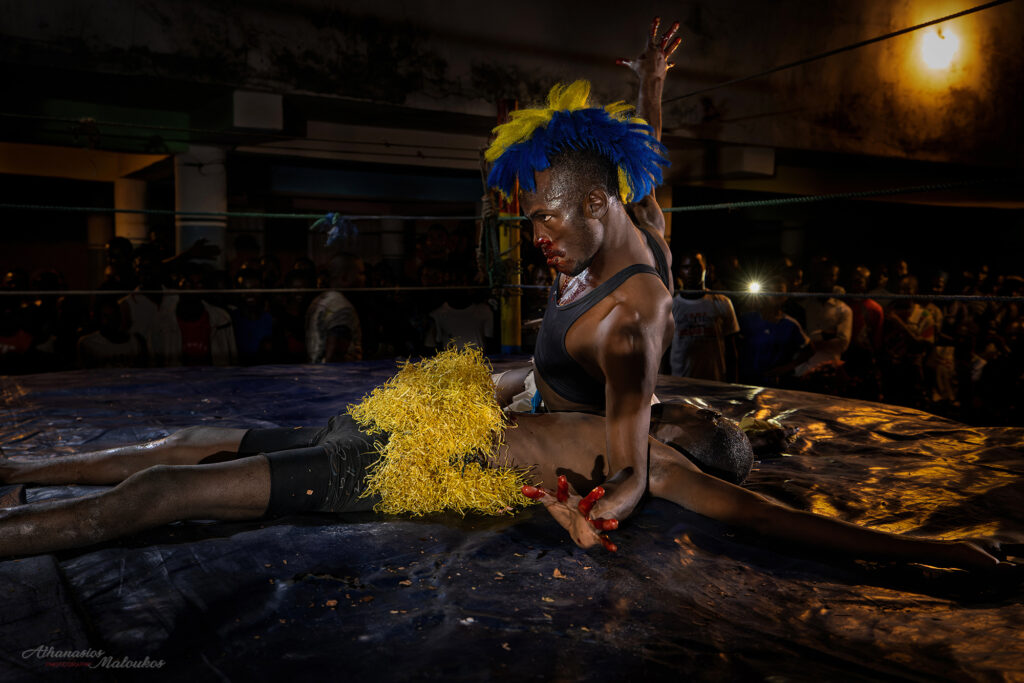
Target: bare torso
pixel 552 444
pixel 573 444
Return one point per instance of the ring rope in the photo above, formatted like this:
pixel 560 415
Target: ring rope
pixel 967 298
pixel 86 120
pixel 264 290
pixel 860 194
pixel 226 214
pixel 844 295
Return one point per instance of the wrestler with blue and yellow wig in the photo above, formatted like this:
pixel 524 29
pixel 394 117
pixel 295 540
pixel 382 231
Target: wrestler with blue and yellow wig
pixel 531 138
pixel 586 177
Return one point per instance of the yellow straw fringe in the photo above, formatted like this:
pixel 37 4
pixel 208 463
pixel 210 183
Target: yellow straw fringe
pixel 442 417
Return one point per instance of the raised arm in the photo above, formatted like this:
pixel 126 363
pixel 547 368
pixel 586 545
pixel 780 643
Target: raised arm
pixel 651 66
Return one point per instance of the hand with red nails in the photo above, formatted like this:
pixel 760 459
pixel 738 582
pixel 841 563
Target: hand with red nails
pixel 573 513
pixel 651 66
pixel 653 61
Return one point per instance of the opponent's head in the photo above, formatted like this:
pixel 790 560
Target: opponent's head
pixel 572 163
pixel 711 441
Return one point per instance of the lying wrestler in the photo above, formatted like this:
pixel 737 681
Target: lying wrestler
pixel 238 474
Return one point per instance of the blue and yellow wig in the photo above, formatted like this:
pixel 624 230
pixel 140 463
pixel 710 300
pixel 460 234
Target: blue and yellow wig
pixel 532 137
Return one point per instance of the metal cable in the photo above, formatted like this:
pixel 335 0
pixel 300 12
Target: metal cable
pixel 834 196
pixel 836 51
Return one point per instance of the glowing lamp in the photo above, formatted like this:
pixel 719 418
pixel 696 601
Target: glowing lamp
pixel 754 287
pixel 939 48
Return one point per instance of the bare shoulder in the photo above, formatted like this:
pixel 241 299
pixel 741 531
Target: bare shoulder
pixel 637 315
pixel 642 297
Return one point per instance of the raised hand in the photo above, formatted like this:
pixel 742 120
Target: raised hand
pixel 653 61
pixel 573 513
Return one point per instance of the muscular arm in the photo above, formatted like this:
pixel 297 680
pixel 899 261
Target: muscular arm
pixel 629 358
pixel 682 483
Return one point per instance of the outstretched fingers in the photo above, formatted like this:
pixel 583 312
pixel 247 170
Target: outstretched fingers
pixel 657 52
pixel 575 518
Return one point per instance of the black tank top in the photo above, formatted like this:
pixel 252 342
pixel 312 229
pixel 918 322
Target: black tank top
pixel 565 376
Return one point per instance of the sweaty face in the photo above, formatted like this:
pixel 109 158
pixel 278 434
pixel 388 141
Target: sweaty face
pixel 568 239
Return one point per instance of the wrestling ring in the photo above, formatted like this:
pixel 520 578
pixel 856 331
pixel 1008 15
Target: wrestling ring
pixel 468 599
pixel 447 598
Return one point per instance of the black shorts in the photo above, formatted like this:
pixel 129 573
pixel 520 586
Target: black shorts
pixel 315 470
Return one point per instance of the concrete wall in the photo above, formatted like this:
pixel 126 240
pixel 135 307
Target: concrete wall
pixel 458 56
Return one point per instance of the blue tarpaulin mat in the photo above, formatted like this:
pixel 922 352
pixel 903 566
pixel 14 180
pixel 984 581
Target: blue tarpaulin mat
pixel 365 597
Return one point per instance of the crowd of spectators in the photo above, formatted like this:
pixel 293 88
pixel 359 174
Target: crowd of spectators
pixel 962 359
pixel 177 310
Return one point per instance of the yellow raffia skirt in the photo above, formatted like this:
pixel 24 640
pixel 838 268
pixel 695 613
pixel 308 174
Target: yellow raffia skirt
pixel 445 430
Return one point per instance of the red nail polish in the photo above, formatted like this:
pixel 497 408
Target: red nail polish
pixel 532 492
pixel 587 503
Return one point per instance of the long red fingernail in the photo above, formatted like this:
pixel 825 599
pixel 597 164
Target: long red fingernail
pixel 602 524
pixel 563 489
pixel 589 501
pixel 608 545
pixel 672 48
pixel 622 61
pixel 654 28
pixel 532 492
pixel 668 34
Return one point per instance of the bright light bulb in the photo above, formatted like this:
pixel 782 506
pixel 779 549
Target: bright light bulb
pixel 754 287
pixel 939 48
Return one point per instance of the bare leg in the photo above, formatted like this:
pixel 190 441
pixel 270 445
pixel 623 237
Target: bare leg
pixel 234 490
pixel 113 465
